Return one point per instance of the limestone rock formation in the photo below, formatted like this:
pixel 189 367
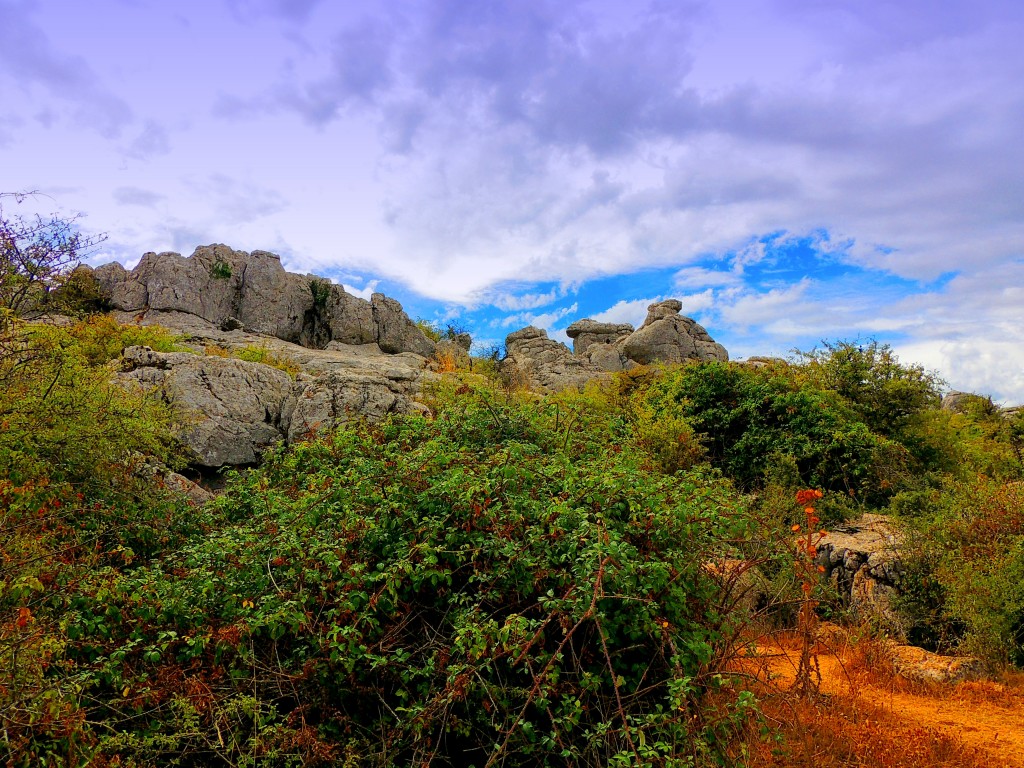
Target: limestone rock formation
pixel 338 396
pixel 600 343
pixel 232 409
pixel 235 289
pixel 861 561
pixel 599 348
pixel 395 331
pixel 542 363
pixel 668 337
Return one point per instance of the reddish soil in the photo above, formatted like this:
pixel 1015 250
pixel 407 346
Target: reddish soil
pixel 984 715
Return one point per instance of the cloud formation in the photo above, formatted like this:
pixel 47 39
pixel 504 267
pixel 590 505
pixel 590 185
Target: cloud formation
pixel 790 169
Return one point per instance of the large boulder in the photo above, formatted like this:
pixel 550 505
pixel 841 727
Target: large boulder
pixel 336 397
pixel 542 364
pixel 923 666
pixel 235 289
pixel 668 337
pixel 395 331
pixel 231 409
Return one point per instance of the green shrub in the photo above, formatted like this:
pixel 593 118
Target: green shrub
pixel 751 420
pixel 100 338
pixel 496 583
pixel 966 568
pixel 262 354
pixel 220 270
pixel 885 393
pixel 320 289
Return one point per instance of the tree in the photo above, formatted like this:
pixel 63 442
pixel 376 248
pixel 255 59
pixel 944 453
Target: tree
pixel 37 255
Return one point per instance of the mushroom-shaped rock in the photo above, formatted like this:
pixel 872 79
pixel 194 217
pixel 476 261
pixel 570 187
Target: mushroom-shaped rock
pixel 587 332
pixel 668 337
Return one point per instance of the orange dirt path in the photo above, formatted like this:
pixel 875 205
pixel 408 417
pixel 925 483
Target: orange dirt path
pixel 995 726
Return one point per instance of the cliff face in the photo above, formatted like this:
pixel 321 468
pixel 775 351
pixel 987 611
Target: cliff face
pixel 252 291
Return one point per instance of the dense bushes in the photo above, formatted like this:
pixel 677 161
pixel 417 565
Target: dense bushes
pixel 516 581
pixel 756 422
pixel 494 586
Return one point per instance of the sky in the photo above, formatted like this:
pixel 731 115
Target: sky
pixel 794 171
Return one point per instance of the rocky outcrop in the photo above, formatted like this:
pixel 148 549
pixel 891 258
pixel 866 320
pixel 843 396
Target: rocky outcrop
pixel 861 562
pixel 239 290
pixel 545 365
pixel 600 348
pixel 600 343
pixel 339 396
pixel 668 337
pixel 231 410
pixel 395 331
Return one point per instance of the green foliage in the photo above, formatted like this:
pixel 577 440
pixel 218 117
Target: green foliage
pixel 100 339
pixel 497 583
pixel 321 292
pixel 752 420
pixel 74 512
pixel 220 270
pixel 78 295
pixel 885 393
pixel 262 354
pixel 966 577
pixel 429 329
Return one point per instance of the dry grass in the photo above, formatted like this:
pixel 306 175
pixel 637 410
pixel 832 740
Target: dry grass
pixel 866 715
pixel 847 731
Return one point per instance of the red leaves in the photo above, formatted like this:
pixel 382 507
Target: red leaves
pixel 24 617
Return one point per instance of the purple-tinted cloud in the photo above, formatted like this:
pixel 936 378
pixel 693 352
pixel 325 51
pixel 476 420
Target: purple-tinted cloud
pixel 290 10
pixel 135 196
pixel 28 58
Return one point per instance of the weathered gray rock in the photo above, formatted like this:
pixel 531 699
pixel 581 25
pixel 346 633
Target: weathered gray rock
pixel 600 344
pixel 238 290
pixel 543 364
pixel 602 348
pixel 232 409
pixel 668 337
pixel 339 396
pixel 395 331
pixel 586 332
pixel 861 561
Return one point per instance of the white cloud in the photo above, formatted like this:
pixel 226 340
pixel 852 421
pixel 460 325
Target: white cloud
pixel 633 312
pixel 690 278
pixel 365 292
pixel 510 302
pixel 543 320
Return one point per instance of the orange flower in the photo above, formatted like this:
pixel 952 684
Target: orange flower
pixel 795 529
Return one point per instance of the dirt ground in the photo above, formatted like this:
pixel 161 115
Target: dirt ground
pixel 984 715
